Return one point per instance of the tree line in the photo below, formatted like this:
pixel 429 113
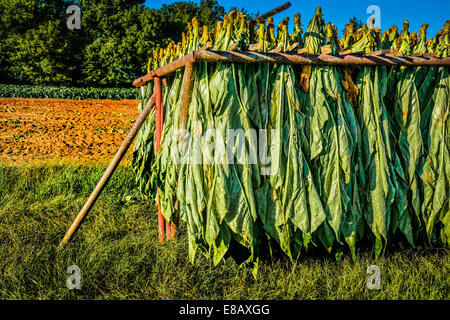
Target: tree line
pixel 111 49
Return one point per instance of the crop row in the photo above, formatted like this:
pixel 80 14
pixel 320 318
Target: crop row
pixel 51 92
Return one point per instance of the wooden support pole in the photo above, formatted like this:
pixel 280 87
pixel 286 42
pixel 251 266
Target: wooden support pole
pixel 185 102
pixel 186 98
pixel 109 171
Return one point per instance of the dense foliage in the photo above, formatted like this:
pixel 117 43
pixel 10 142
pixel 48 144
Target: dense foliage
pixel 51 92
pixel 110 49
pixel 361 153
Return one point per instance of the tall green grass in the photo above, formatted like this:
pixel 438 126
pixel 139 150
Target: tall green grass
pixel 117 251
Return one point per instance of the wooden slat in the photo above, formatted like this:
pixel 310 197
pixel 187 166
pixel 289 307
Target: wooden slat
pixel 273 12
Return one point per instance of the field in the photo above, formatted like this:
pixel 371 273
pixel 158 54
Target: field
pixel 52 153
pixel 57 129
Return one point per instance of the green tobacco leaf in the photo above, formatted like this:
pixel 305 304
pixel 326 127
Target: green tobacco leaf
pixel 378 157
pixel 436 171
pixel 407 117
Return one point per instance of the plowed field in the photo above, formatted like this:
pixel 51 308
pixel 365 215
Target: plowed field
pixel 62 129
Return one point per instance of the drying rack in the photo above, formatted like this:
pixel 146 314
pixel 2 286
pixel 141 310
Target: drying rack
pixel 188 62
pixel 377 58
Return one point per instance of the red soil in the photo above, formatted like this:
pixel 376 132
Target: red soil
pixel 63 129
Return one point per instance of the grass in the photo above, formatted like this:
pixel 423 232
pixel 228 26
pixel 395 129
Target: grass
pixel 120 258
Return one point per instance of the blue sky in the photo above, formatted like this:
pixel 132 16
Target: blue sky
pixel 433 12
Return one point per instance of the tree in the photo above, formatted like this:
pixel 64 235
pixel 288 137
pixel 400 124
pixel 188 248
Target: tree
pixel 120 40
pixel 106 18
pixel 19 16
pixel 244 11
pixel 357 22
pixel 36 45
pixel 112 48
pixel 122 35
pixel 180 13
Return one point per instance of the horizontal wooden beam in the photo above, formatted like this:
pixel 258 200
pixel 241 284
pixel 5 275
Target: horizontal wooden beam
pixel 376 59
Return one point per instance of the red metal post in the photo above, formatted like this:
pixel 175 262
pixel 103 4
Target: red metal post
pixel 168 230
pixel 171 228
pixel 159 125
pixel 172 231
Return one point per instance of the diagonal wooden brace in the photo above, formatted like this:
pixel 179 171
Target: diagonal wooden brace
pixel 109 171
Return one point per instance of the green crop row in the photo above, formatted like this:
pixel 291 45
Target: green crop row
pixel 50 92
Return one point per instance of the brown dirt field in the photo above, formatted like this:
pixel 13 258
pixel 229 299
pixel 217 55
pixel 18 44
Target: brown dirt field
pixel 63 129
